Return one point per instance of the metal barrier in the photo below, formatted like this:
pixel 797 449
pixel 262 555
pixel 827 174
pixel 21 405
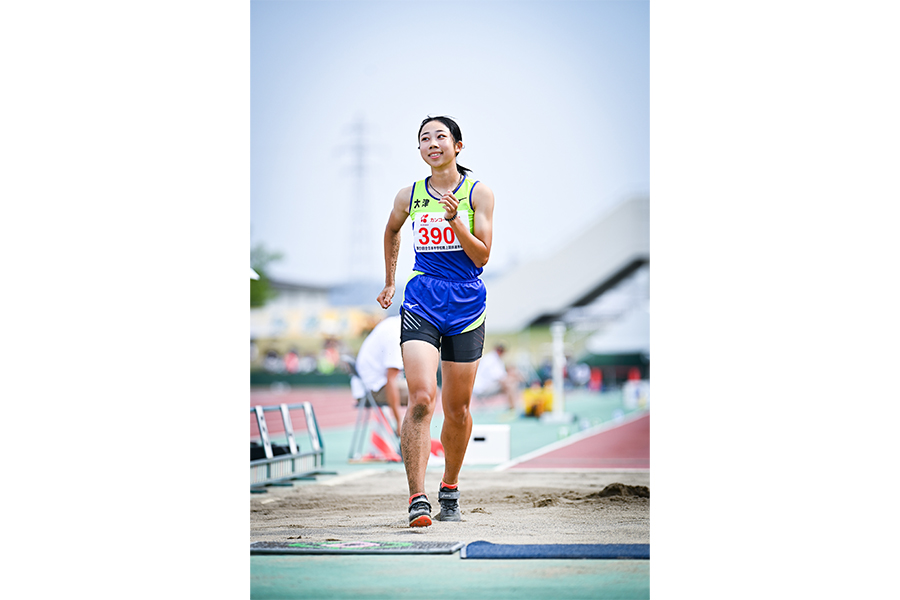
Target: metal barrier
pixel 276 469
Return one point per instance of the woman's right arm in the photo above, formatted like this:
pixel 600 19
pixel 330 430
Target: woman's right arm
pixel 399 214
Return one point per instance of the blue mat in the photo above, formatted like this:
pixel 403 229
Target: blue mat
pixel 607 551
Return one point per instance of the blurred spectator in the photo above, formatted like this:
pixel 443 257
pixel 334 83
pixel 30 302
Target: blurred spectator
pixel 307 364
pixel 545 370
pixel 596 382
pixel 580 374
pixel 493 377
pixel 330 357
pixel 272 362
pixel 292 361
pixel 538 398
pixel 380 363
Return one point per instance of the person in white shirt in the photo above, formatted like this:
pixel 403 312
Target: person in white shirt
pixel 380 363
pixel 494 378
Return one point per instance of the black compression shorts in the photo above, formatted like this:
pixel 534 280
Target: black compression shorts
pixel 462 348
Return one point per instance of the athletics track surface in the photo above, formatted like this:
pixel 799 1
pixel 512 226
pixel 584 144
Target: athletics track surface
pixel 624 444
pixel 613 444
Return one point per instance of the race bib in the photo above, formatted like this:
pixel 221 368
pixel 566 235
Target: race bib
pixel 434 233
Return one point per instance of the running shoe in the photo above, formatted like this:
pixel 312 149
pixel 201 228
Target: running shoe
pixel 449 500
pixel 420 511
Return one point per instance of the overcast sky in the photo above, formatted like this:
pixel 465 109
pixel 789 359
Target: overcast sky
pixel 552 99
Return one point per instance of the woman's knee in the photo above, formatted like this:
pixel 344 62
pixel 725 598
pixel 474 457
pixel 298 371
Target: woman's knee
pixel 421 404
pixel 457 414
pixel 424 395
pixel 420 412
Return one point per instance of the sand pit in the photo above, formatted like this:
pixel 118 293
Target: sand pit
pixel 507 507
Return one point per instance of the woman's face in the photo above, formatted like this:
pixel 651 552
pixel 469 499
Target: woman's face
pixel 436 144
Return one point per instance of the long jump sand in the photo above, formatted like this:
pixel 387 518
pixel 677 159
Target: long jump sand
pixel 505 507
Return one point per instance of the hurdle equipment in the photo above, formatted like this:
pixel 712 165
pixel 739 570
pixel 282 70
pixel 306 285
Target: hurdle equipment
pixel 280 464
pixel 384 445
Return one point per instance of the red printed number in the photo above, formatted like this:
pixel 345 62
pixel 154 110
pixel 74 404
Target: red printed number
pixel 435 236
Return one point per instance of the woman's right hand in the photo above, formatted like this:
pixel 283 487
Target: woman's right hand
pixel 386 296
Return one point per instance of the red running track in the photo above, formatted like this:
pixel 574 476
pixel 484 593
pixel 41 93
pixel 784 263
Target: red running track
pixel 626 446
pixel 334 407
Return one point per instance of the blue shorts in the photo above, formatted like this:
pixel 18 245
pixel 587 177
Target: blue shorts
pixel 453 307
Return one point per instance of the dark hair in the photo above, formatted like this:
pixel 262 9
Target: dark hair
pixel 455 133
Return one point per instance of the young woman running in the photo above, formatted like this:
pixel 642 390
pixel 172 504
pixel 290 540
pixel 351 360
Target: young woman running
pixel 442 310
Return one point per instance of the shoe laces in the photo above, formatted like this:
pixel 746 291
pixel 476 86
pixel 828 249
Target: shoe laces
pixel 417 502
pixel 449 503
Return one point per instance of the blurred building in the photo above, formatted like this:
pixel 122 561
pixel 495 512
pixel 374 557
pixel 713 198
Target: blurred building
pixel 607 253
pixel 301 311
pixel 598 285
pixel 297 294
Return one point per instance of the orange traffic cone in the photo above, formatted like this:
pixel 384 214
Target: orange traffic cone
pixel 386 452
pixel 437 448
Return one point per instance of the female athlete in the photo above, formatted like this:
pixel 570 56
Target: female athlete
pixel 443 307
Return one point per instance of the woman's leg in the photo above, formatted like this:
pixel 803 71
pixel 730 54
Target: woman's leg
pixel 420 363
pixel 456 395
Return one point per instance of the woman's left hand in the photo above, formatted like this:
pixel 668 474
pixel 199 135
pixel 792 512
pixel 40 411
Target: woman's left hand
pixel 450 204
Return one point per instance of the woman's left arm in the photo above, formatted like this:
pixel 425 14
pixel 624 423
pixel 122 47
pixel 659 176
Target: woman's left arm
pixel 477 246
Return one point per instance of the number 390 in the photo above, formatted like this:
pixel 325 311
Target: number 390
pixel 436 236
